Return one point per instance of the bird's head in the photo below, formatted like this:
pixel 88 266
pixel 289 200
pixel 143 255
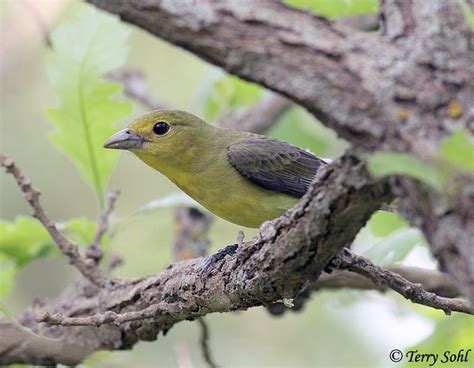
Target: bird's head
pixel 160 133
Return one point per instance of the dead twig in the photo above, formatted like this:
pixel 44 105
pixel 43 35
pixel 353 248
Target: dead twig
pixel 87 268
pixel 135 88
pixel 204 339
pixel 409 290
pixel 94 250
pixel 108 317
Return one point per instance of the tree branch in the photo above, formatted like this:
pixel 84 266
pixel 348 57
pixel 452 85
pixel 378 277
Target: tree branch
pixel 94 251
pixel 391 92
pixel 108 317
pixel 434 282
pixel 87 268
pixel 258 117
pixel 135 88
pixel 206 350
pixel 419 289
pixel 411 291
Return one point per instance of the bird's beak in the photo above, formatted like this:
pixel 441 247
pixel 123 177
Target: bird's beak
pixel 125 140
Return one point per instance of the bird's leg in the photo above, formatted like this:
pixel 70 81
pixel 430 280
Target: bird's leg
pixel 228 250
pixel 335 262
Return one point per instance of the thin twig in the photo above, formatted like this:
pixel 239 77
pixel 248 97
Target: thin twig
pixel 114 260
pixel 103 219
pixel 258 117
pixel 409 290
pixel 206 351
pixel 94 250
pixel 432 281
pixel 108 317
pixel 87 268
pixel 135 88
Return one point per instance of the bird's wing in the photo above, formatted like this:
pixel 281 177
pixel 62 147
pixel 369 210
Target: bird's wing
pixel 274 165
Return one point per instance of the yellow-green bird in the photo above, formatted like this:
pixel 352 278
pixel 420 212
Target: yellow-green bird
pixel 242 177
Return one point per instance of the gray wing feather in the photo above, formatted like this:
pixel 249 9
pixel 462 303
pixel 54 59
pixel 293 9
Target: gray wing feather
pixel 274 165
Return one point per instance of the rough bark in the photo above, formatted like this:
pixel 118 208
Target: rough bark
pixel 402 90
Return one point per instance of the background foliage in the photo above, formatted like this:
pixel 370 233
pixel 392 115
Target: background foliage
pixel 337 328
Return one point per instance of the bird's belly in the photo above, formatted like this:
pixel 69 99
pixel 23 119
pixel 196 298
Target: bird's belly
pixel 242 202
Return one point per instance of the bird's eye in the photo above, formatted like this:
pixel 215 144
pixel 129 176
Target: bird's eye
pixel 161 128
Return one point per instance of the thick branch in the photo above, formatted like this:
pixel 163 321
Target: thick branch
pixel 420 286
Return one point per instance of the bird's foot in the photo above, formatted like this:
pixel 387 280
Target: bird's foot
pixel 211 260
pixel 333 264
pixel 228 250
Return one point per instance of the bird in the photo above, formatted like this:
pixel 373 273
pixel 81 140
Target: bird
pixel 242 177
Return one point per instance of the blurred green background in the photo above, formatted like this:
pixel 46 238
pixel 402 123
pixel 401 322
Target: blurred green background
pixel 335 329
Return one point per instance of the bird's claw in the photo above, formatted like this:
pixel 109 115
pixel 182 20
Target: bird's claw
pixel 333 264
pixel 211 260
pixel 228 250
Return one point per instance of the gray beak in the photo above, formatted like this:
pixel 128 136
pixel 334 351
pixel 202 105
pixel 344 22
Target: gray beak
pixel 125 140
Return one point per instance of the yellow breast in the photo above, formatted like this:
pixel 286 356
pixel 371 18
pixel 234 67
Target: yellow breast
pixel 231 196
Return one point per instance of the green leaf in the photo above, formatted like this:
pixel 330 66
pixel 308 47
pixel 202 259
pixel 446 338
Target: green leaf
pixel 458 149
pixel 395 247
pixel 336 8
pixel 24 240
pixel 396 163
pixel 383 223
pixel 85 49
pixel 8 269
